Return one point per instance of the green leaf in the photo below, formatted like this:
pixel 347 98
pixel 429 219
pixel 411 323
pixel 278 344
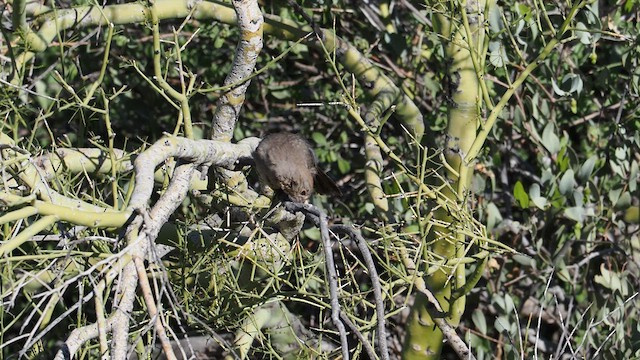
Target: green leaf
pixel 535 112
pixel 562 159
pixel 583 35
pixel 616 168
pixel 497 54
pixel 633 176
pixel 567 183
pixel 550 140
pixel 479 321
pixel 344 166
pixel 312 233
pixel 332 156
pixel 369 208
pixel 509 304
pixel 587 168
pixel 575 213
pixel 319 138
pixel 574 82
pixel 610 280
pixel 632 215
pixel 614 195
pixel 501 324
pixel 493 216
pixel 534 194
pixel 557 90
pixel 571 83
pixel 521 195
pixel 495 20
pixel 624 201
pixel 524 260
pixel 478 184
pixel 547 176
pixel 280 94
pixel 534 190
pixel 524 10
pixel 578 197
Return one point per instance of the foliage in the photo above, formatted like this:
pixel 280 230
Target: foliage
pixel 563 180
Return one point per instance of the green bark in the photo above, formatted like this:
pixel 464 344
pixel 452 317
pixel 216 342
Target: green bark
pixel 461 24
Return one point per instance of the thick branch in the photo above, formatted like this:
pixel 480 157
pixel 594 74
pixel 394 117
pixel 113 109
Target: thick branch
pixel 250 21
pixel 199 152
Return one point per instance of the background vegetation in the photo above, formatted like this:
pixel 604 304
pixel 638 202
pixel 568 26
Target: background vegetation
pixel 548 219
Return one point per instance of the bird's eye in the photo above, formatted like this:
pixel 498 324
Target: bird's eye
pixel 303 192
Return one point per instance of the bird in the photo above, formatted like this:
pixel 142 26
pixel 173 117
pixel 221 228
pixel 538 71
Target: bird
pixel 286 161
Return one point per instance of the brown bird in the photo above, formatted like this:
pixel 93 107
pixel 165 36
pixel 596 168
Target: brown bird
pixel 286 162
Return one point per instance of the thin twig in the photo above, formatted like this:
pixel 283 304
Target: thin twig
pixel 332 277
pixel 375 283
pixel 152 309
pixel 333 284
pixel 367 347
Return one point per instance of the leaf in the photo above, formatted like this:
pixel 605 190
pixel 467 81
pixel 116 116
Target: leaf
pixel 332 156
pixel 556 89
pixel 567 183
pixel 501 323
pixel 628 6
pixel 535 112
pixel 550 140
pixel 632 215
pixel 574 82
pixel 610 280
pixel 534 190
pixel 497 54
pixel 575 213
pixel 524 260
pixel 319 138
pixel 633 176
pixel 583 35
pixel 280 94
pixel 312 233
pixel 587 168
pixel 578 197
pixel 493 216
pixel 344 166
pixel 509 304
pixel 534 194
pixel 521 195
pixel 624 201
pixel 524 10
pixel 614 195
pixel 495 21
pixel 570 83
pixel 479 321
pixel 540 202
pixel 547 176
pixel 478 184
pixel 369 208
pixel 617 169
